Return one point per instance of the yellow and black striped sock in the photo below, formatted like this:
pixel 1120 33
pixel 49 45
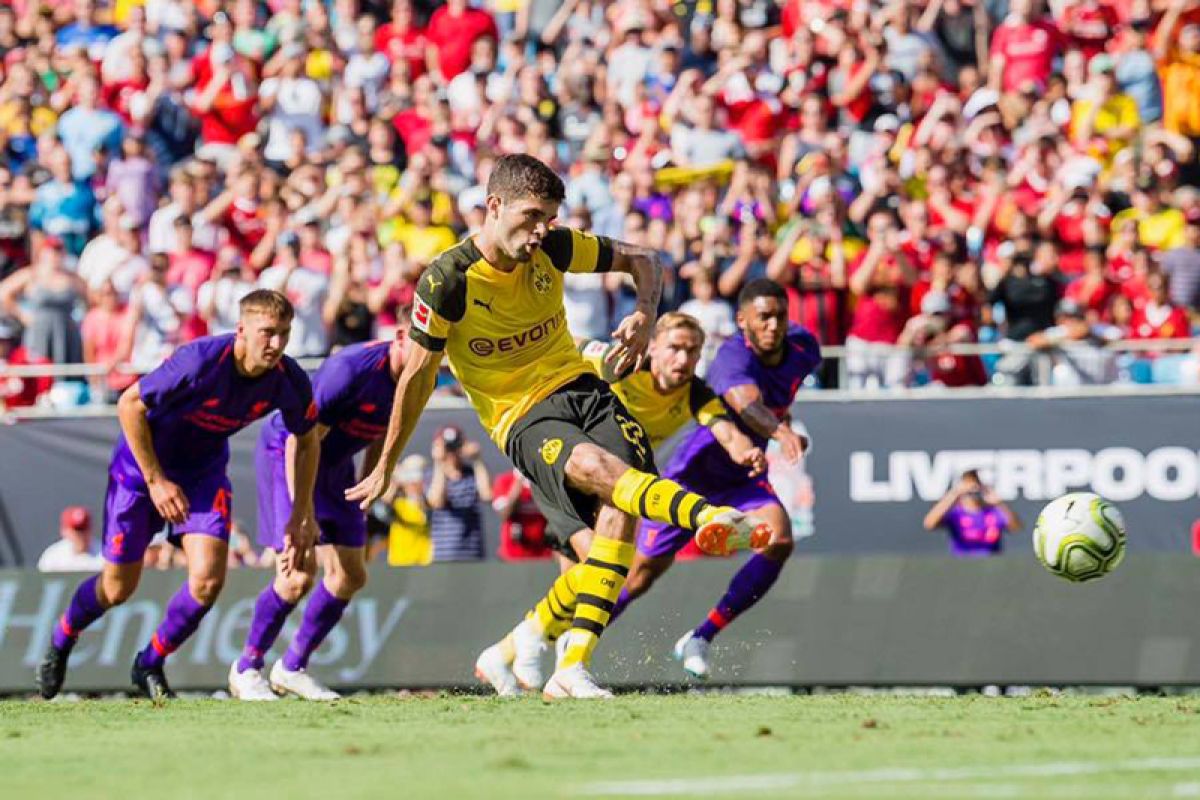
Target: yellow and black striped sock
pixel 648 496
pixel 600 580
pixel 556 610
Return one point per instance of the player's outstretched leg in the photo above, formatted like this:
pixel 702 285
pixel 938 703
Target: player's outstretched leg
pixel 92 598
pixel 206 560
pixel 271 610
pixel 749 585
pixel 515 662
pixel 345 574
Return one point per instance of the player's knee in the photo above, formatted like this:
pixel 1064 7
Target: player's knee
pixel 115 591
pixel 293 587
pixel 588 465
pixel 349 580
pixel 640 581
pixel 206 588
pixel 779 550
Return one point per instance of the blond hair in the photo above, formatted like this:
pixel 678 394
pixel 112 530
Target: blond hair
pixel 267 301
pixel 673 320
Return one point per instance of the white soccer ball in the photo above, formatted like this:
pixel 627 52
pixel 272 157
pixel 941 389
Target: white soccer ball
pixel 1080 536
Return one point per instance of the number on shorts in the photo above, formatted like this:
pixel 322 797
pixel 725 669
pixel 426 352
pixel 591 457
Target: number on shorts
pixel 221 503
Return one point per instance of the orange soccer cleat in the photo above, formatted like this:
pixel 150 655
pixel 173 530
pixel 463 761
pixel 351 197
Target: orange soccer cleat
pixel 731 531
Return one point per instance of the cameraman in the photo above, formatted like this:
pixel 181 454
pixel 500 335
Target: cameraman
pixel 974 516
pixel 460 481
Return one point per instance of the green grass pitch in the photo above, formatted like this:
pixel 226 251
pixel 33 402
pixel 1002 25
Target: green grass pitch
pixel 689 745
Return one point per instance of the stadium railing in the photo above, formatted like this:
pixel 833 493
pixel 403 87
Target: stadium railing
pixel 1158 364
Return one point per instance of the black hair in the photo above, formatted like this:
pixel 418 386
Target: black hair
pixel 761 287
pixel 517 176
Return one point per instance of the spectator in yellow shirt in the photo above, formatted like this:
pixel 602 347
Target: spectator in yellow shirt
pixel 1160 227
pixel 1103 120
pixel 409 543
pixel 1179 67
pixel 416 231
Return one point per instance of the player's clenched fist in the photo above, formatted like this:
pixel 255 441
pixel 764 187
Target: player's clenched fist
pixel 749 455
pixel 169 500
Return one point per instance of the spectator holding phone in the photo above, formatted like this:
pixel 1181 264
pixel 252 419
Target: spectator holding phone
pixel 460 482
pixel 974 516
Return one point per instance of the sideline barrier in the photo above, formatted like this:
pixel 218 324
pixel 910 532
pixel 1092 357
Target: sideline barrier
pixel 833 621
pixel 876 467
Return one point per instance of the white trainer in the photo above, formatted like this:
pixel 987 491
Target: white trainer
pixel 300 683
pixel 574 683
pixel 692 652
pixel 495 670
pixel 250 685
pixel 528 646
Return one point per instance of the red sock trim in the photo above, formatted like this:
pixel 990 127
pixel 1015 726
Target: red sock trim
pixel 160 647
pixel 66 628
pixel 718 619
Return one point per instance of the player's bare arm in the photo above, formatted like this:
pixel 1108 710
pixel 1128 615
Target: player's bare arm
pixel 168 498
pixel 739 447
pixel 633 335
pixel 301 533
pixel 746 401
pixel 413 390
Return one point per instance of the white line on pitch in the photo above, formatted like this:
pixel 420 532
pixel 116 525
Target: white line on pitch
pixel 791 780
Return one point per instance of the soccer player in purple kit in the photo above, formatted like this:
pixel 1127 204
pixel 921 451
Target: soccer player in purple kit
pixel 169 466
pixel 757 374
pixel 353 391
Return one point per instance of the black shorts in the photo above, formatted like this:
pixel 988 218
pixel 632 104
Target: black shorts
pixel 583 411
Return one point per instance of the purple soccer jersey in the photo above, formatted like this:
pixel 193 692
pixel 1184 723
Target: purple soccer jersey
pixel 701 465
pixel 353 391
pixel 975 533
pixel 196 400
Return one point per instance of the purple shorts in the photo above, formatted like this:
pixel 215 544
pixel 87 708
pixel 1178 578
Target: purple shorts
pixel 658 539
pixel 131 520
pixel 340 521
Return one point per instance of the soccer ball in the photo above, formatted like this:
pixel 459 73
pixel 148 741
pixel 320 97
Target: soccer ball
pixel 1080 537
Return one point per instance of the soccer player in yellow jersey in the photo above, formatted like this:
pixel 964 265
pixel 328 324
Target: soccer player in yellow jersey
pixel 494 305
pixel 664 396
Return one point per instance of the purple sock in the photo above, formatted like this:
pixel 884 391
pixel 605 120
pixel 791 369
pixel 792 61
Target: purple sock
pixel 183 616
pixel 83 610
pixel 320 616
pixel 747 587
pixel 270 612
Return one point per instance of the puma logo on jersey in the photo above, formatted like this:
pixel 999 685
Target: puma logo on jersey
pixel 478 302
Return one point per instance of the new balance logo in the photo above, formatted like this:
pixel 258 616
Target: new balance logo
pixel 367 408
pixel 433 285
pixel 478 302
pixel 213 403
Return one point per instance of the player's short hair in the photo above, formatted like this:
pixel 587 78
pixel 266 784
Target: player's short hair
pixel 519 176
pixel 673 320
pixel 267 301
pixel 761 287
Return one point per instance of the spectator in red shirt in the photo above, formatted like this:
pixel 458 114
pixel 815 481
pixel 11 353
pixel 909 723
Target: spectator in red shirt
pixel 226 97
pixel 453 28
pixel 1158 317
pixel 522 526
pixel 18 392
pixel 1089 24
pixel 881 279
pixel 190 267
pixel 1093 291
pixel 403 40
pixel 1024 47
pixel 108 340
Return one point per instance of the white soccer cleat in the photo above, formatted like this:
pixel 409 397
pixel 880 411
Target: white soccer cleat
pixel 528 646
pixel 300 683
pixel 250 685
pixel 730 531
pixel 574 683
pixel 495 670
pixel 692 652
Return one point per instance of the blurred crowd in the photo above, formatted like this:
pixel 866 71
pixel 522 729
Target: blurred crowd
pixel 921 174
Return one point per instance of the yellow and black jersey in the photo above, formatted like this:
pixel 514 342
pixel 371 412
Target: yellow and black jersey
pixel 660 414
pixel 505 333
